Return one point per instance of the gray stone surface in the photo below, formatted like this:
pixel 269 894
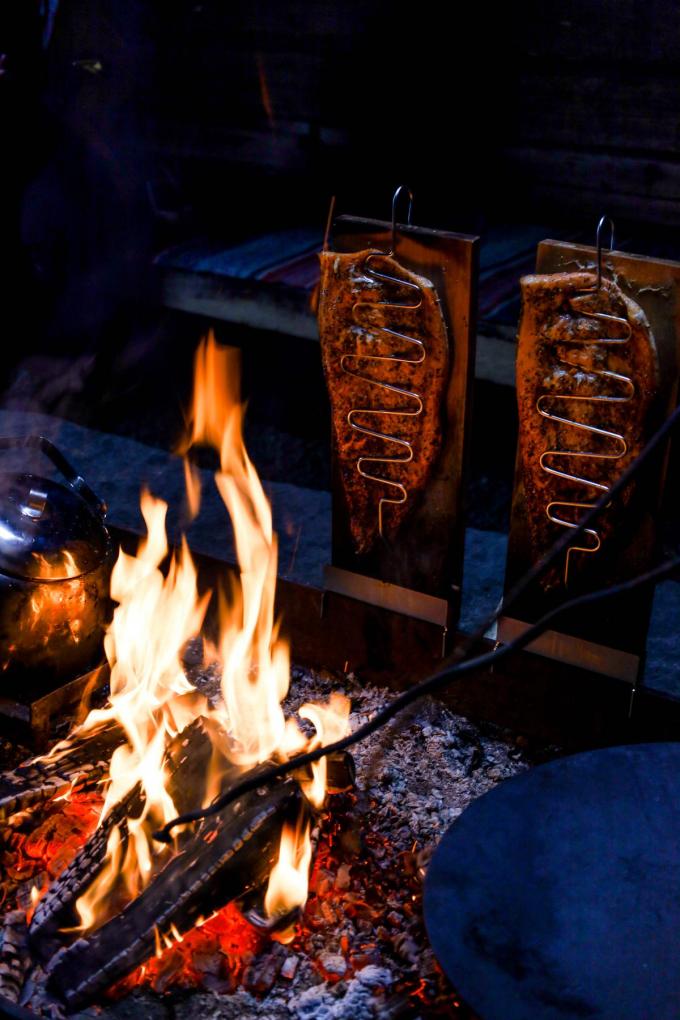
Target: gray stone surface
pixel 483 573
pixel 663 645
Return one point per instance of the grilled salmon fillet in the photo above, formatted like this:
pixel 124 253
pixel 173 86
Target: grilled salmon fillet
pixel 587 373
pixel 385 353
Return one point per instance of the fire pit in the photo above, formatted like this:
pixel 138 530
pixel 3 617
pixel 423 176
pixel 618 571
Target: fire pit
pixel 360 946
pixel 203 844
pixel 280 892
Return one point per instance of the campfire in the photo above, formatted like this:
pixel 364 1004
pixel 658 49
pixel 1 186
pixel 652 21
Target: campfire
pixel 158 747
pixel 360 944
pixel 314 903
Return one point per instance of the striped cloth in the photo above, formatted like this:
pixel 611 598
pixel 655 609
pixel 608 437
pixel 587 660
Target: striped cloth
pixel 289 259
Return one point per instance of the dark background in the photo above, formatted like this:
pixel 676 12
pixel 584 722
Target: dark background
pixel 132 125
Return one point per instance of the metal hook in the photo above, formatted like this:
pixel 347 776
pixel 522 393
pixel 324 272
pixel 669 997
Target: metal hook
pixel 395 199
pixel 598 242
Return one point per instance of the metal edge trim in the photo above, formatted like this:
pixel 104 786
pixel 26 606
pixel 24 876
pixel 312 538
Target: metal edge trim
pixel 385 595
pixel 574 651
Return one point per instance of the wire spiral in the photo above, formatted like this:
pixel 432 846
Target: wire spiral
pixel 618 448
pixel 371 334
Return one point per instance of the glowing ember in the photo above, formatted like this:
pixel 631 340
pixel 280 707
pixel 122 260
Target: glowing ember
pixel 151 698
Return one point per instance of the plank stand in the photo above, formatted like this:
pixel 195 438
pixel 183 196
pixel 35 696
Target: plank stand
pixel 420 574
pixel 607 639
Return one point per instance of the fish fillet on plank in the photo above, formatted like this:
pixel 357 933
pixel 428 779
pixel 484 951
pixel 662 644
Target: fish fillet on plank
pixel 587 372
pixel 385 355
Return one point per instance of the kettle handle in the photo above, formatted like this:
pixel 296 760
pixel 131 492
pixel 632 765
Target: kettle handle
pixel 75 480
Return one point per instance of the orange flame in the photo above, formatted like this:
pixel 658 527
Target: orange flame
pixel 255 661
pixel 151 697
pixel 265 95
pixel 289 879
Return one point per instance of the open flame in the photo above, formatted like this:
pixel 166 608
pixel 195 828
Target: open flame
pixel 289 878
pixel 152 699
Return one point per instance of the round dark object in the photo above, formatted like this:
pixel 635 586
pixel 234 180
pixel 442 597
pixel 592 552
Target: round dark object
pixel 556 896
pixel 56 557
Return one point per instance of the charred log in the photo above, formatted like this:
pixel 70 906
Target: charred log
pixel 187 761
pixel 230 853
pixel 57 908
pixel 40 779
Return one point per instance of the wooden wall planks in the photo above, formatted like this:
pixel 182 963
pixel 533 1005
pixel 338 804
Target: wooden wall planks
pixel 550 105
pixel 597 94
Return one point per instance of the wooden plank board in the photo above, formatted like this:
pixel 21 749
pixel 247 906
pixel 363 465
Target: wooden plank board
pixel 247 303
pixel 427 555
pixel 609 638
pixel 283 310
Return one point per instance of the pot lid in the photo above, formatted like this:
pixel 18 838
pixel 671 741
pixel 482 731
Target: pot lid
pixel 47 531
pixel 556 896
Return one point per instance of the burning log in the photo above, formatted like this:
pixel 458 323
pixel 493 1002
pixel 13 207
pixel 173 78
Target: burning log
pixel 212 869
pixel 121 896
pixel 187 760
pixel 57 908
pixel 14 956
pixel 40 779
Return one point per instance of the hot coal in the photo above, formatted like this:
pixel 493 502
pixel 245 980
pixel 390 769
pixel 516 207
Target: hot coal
pixel 44 778
pixel 213 869
pixel 187 760
pixel 361 949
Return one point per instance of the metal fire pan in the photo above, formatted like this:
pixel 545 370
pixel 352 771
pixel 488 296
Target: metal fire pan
pixel 556 896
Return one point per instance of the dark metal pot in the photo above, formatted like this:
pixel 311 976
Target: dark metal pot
pixel 56 557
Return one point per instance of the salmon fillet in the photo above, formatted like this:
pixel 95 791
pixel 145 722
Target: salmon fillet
pixel 587 373
pixel 385 354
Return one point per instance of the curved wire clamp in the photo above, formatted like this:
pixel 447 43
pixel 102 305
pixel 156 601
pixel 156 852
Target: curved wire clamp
pixel 618 446
pixel 370 335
